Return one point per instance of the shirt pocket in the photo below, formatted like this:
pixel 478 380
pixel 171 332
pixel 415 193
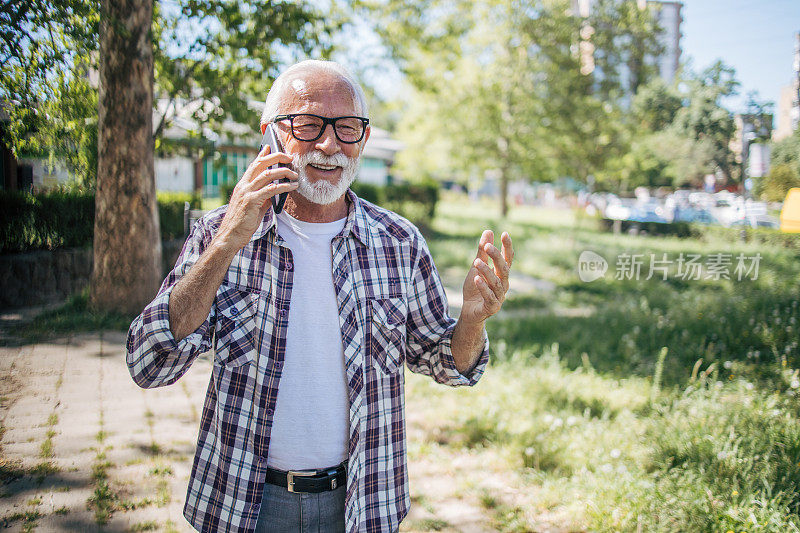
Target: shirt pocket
pixel 387 333
pixel 236 331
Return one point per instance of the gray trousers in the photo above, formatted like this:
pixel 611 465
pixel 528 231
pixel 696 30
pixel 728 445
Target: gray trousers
pixel 286 512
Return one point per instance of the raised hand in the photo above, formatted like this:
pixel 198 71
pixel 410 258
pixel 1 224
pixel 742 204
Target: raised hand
pixel 251 197
pixel 485 288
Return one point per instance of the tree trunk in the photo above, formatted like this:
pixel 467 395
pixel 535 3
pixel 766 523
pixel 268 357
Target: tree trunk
pixel 127 243
pixel 505 170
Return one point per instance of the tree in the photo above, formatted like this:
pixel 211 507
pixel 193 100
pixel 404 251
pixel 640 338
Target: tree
pixel 785 171
pixel 705 119
pixel 45 50
pixel 499 86
pixel 787 152
pixel 624 37
pixel 210 57
pixel 127 243
pixel 678 137
pixel 774 186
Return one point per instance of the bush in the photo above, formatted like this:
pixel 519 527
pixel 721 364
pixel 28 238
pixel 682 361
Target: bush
pixel 225 192
pixel 415 201
pixel 170 212
pixel 45 221
pixel 707 233
pixel 774 186
pixel 368 191
pixel 65 218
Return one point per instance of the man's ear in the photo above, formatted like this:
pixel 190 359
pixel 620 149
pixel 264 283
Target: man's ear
pixel 263 128
pixel 366 137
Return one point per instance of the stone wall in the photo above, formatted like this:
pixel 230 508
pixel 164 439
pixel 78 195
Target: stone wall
pixel 43 277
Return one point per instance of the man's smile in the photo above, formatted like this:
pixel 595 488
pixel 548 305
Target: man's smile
pixel 323 167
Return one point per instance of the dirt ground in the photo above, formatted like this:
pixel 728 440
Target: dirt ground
pixel 84 449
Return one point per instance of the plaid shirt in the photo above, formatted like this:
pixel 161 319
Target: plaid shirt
pixel 392 310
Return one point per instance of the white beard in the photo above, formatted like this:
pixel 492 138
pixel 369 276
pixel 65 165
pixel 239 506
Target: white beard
pixel 321 191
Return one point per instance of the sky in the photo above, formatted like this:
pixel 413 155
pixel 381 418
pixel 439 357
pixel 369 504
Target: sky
pixel 756 37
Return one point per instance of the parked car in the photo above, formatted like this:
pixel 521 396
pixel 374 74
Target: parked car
pixel 618 208
pixel 650 211
pixel 694 214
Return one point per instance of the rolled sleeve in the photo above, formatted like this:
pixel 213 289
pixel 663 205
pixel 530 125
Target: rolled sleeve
pixel 430 328
pixel 154 357
pixel 456 378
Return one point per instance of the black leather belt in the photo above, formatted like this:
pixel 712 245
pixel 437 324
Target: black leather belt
pixel 309 480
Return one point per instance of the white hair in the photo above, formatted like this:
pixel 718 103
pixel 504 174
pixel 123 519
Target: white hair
pixel 276 98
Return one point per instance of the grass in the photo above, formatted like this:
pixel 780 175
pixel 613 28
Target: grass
pixel 628 405
pixel 150 525
pixel 75 316
pixel 104 500
pixel 618 404
pixel 28 519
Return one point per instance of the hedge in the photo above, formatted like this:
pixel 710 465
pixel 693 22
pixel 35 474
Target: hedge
pixel 709 233
pixel 60 218
pixel 415 201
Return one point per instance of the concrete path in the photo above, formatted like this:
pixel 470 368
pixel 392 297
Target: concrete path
pixel 83 449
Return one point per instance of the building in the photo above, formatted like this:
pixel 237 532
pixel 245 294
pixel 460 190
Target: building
pixel 227 156
pixel 204 163
pixel 749 144
pixel 668 15
pixel 789 103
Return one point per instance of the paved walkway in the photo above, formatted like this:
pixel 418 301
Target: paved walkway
pixel 82 448
pixel 85 449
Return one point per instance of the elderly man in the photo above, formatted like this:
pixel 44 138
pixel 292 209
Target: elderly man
pixel 311 315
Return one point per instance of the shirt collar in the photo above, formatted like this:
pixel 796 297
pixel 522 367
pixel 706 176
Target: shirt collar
pixel 356 221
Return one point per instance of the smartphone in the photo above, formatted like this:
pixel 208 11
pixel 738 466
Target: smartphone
pixel 271 138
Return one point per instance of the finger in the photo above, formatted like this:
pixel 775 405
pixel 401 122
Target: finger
pixel 489 276
pixel 272 174
pixel 486 237
pixel 274 159
pixel 273 189
pixel 508 248
pixel 500 265
pixel 489 299
pixel 260 164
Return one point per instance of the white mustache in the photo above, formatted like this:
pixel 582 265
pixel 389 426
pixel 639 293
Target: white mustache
pixel 321 191
pixel 319 158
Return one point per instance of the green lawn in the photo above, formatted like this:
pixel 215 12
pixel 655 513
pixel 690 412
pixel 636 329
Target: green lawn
pixel 591 420
pixel 617 404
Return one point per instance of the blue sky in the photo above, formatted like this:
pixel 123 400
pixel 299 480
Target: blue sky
pixel 756 37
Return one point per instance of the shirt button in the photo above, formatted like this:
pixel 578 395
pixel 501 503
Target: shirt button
pixel 278 364
pixel 270 411
pixel 234 311
pixel 283 312
pixel 288 266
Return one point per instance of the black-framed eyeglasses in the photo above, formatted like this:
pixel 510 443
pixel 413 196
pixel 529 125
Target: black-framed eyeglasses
pixel 308 127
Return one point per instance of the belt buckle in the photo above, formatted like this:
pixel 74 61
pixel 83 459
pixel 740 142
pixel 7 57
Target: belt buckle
pixel 291 474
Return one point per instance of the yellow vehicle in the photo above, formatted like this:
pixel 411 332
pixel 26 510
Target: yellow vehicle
pixel 790 214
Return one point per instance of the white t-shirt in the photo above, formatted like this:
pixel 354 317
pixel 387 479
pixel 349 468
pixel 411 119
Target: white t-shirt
pixel 311 420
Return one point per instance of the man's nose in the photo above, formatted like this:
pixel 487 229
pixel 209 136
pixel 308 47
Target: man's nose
pixel 328 143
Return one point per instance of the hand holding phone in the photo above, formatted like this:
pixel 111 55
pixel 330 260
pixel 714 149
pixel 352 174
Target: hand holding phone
pixel 271 138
